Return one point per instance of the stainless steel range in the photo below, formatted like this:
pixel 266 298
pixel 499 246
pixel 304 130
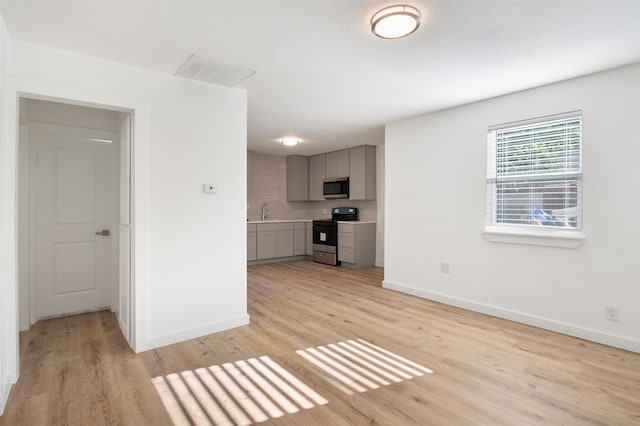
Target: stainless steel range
pixel 325 235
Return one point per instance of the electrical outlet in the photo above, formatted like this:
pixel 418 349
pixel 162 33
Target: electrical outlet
pixel 444 268
pixel 611 313
pixel 210 188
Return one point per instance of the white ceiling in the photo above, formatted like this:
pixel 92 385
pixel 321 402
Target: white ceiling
pixel 322 75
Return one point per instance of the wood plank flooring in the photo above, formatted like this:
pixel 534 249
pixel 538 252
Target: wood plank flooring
pixel 78 370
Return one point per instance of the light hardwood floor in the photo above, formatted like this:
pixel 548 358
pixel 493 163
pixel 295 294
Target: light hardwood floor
pixel 78 370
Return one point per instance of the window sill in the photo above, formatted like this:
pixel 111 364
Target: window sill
pixel 534 237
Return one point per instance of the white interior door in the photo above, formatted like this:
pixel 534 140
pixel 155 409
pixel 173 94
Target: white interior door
pixel 76 175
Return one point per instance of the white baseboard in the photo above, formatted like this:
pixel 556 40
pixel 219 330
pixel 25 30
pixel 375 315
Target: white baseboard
pixel 181 336
pixel 572 330
pixel 123 330
pixel 4 393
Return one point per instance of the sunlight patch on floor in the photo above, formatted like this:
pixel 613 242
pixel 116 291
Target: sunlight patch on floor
pixel 357 365
pixel 239 393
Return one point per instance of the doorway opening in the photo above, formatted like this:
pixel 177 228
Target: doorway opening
pixel 74 211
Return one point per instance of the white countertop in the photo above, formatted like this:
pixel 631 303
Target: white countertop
pixel 278 221
pixel 355 222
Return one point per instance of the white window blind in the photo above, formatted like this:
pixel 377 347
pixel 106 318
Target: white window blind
pixel 534 173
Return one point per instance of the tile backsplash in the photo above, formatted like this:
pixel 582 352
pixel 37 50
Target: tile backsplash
pixel 267 183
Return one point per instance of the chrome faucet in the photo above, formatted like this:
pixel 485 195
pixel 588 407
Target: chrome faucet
pixel 265 211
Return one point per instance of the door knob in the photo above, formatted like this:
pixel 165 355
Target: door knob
pixel 104 232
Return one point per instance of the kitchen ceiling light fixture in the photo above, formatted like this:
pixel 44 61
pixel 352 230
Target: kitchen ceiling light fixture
pixel 290 141
pixel 395 21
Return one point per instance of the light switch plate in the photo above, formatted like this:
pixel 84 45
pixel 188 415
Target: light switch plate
pixel 210 188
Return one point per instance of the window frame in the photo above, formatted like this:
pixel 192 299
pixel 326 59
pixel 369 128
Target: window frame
pixel 533 234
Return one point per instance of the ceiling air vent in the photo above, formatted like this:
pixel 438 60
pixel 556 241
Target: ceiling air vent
pixel 214 72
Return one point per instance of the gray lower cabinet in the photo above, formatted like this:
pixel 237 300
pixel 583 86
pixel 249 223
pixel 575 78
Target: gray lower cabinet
pixel 280 239
pixel 284 243
pixel 299 239
pixel 309 231
pixel 357 244
pixel 266 245
pixel 252 249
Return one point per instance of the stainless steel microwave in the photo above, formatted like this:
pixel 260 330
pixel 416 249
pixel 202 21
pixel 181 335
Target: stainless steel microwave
pixel 336 188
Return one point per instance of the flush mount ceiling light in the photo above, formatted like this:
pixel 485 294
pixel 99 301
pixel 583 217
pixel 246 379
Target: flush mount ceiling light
pixel 290 141
pixel 395 21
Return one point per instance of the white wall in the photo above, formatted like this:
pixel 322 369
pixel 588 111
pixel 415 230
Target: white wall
pixel 197 241
pixel 8 299
pixel 435 212
pixel 190 253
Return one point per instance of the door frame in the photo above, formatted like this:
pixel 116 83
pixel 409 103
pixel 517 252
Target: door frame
pixel 137 108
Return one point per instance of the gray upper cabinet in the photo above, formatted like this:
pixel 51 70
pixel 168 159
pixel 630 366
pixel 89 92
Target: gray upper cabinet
pixel 297 178
pixel 337 165
pixel 305 175
pixel 362 173
pixel 316 176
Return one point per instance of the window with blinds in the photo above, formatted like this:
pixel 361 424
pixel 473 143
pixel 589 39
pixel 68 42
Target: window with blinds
pixel 534 173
